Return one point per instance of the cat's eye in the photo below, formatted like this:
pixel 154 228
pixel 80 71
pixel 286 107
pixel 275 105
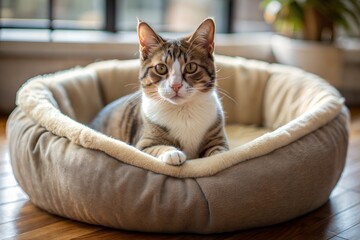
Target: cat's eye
pixel 161 69
pixel 191 67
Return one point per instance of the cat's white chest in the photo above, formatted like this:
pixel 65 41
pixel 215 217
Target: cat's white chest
pixel 189 123
pixel 189 129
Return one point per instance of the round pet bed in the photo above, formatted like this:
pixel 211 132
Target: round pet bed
pixel 288 130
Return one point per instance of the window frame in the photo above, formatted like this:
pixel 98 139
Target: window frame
pixel 110 17
pixel 109 24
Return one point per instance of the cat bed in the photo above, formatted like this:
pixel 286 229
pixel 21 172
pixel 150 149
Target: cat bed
pixel 288 132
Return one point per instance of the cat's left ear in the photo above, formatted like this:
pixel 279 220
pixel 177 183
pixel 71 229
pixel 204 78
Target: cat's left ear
pixel 204 35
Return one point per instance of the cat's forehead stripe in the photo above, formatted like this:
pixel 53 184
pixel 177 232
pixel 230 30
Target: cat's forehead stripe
pixel 172 52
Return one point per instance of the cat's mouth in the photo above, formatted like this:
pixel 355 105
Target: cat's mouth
pixel 176 99
pixel 176 96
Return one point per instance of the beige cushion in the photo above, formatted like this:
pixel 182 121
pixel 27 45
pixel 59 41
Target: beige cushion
pixel 288 132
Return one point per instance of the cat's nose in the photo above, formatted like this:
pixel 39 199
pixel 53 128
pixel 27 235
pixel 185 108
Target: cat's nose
pixel 176 86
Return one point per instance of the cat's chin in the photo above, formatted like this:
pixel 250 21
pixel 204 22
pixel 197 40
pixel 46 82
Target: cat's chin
pixel 177 100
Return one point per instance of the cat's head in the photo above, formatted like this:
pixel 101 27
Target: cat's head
pixel 177 70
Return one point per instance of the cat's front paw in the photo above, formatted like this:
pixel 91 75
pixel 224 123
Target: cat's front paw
pixel 173 157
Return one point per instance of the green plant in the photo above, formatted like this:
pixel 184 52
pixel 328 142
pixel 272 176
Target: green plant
pixel 311 19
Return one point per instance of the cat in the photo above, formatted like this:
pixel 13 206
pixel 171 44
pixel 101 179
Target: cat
pixel 176 115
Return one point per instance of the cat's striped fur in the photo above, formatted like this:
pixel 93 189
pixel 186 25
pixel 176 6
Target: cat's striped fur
pixel 176 114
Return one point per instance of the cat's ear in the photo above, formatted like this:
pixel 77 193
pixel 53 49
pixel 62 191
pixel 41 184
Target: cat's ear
pixel 204 35
pixel 148 39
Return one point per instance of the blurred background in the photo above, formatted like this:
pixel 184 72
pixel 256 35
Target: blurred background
pixel 43 36
pixel 163 15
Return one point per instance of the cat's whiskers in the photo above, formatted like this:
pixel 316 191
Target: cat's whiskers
pixel 158 99
pixel 222 78
pixel 217 70
pixel 135 86
pixel 155 96
pixel 226 94
pixel 223 92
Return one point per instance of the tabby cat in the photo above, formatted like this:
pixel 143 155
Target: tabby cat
pixel 176 114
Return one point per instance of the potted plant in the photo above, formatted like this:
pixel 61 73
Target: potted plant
pixel 307 31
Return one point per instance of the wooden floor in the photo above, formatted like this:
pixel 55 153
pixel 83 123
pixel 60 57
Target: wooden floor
pixel 338 219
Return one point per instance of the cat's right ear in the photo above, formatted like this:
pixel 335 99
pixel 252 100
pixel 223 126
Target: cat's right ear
pixel 148 39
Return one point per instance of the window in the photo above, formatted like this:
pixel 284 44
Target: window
pixel 120 15
pixel 82 14
pixel 248 17
pixel 15 13
pixel 172 15
pixel 52 14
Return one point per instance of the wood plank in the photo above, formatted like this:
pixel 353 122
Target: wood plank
pixel 11 211
pixel 340 203
pixel 59 230
pixel 35 220
pixel 350 181
pixel 4 156
pixel 357 188
pixel 2 128
pixel 7 181
pixel 281 231
pixel 351 233
pixel 12 194
pixel 352 168
pixel 338 190
pixel 344 220
pixel 110 234
pixel 340 238
pixel 17 210
pixel 105 234
pixel 313 235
